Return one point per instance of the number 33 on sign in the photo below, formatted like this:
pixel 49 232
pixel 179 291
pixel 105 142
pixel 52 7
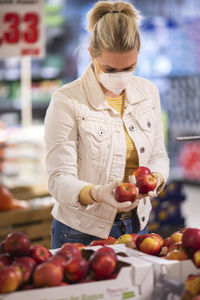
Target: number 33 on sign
pixel 21 28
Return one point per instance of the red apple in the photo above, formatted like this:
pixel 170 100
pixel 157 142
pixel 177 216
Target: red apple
pixel 47 274
pixel 97 242
pixel 149 243
pixel 25 270
pixel 127 238
pixel 191 240
pixel 39 253
pixel 76 269
pixel 6 259
pixel 126 191
pixel 176 237
pixel 101 265
pixel 109 251
pixel 9 281
pixel 157 237
pixel 19 274
pixel 146 183
pixel 28 260
pixel 69 250
pixel 17 244
pixel 177 255
pixel 58 260
pixel 140 171
pixel 6 198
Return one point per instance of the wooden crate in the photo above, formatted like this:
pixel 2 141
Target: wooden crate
pixel 36 223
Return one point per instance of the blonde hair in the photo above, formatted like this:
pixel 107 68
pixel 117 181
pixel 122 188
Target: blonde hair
pixel 113 26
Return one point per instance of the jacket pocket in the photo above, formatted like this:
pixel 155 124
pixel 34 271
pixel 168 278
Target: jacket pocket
pixel 146 122
pixel 94 141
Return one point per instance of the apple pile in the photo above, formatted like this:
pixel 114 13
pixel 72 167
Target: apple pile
pixel 180 245
pixel 145 182
pixel 24 266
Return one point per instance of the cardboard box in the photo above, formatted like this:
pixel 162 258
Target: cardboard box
pixel 173 268
pixel 134 281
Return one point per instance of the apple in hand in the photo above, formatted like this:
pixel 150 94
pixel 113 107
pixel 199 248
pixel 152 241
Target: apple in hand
pixel 126 191
pixel 140 171
pixel 39 253
pixel 101 265
pixel 146 183
pixel 47 274
pixel 17 244
pixel 9 281
pixel 76 269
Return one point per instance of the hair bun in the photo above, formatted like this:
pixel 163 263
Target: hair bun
pixel 102 8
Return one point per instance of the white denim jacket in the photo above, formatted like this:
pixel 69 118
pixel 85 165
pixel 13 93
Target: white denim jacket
pixel 85 144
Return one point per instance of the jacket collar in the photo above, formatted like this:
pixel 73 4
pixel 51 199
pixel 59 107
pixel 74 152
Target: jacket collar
pixel 96 97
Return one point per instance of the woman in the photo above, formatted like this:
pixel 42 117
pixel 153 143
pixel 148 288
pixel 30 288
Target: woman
pixel 98 129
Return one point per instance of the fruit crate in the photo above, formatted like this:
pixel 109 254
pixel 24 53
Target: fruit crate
pixel 35 222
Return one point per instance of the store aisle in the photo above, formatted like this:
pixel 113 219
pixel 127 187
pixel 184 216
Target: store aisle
pixel 191 206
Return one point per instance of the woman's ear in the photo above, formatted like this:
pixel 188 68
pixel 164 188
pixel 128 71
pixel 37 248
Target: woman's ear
pixel 92 57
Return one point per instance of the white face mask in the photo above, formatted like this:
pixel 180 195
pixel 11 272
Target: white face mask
pixel 114 82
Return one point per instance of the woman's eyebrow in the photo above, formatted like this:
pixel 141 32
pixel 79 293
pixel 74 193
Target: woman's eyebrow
pixel 111 68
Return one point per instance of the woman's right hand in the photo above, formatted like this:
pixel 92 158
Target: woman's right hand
pixel 105 193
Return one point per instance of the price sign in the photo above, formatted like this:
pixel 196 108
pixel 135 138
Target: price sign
pixel 21 28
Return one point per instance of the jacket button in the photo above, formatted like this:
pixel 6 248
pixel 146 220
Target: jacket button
pixel 149 124
pixel 143 219
pixel 101 131
pixel 142 149
pixel 131 128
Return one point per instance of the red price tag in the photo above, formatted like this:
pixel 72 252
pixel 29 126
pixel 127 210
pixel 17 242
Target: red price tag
pixel 21 30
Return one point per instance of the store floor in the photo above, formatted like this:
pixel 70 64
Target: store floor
pixel 191 206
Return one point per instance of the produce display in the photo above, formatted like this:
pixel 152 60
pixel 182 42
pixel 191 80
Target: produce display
pixel 25 267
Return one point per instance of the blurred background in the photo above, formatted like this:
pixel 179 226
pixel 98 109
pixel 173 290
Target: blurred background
pixel 170 57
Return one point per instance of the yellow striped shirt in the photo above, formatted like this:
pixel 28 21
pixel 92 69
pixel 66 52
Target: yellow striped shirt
pixel 131 152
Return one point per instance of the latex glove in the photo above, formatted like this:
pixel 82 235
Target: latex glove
pixel 131 207
pixel 105 193
pixel 154 193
